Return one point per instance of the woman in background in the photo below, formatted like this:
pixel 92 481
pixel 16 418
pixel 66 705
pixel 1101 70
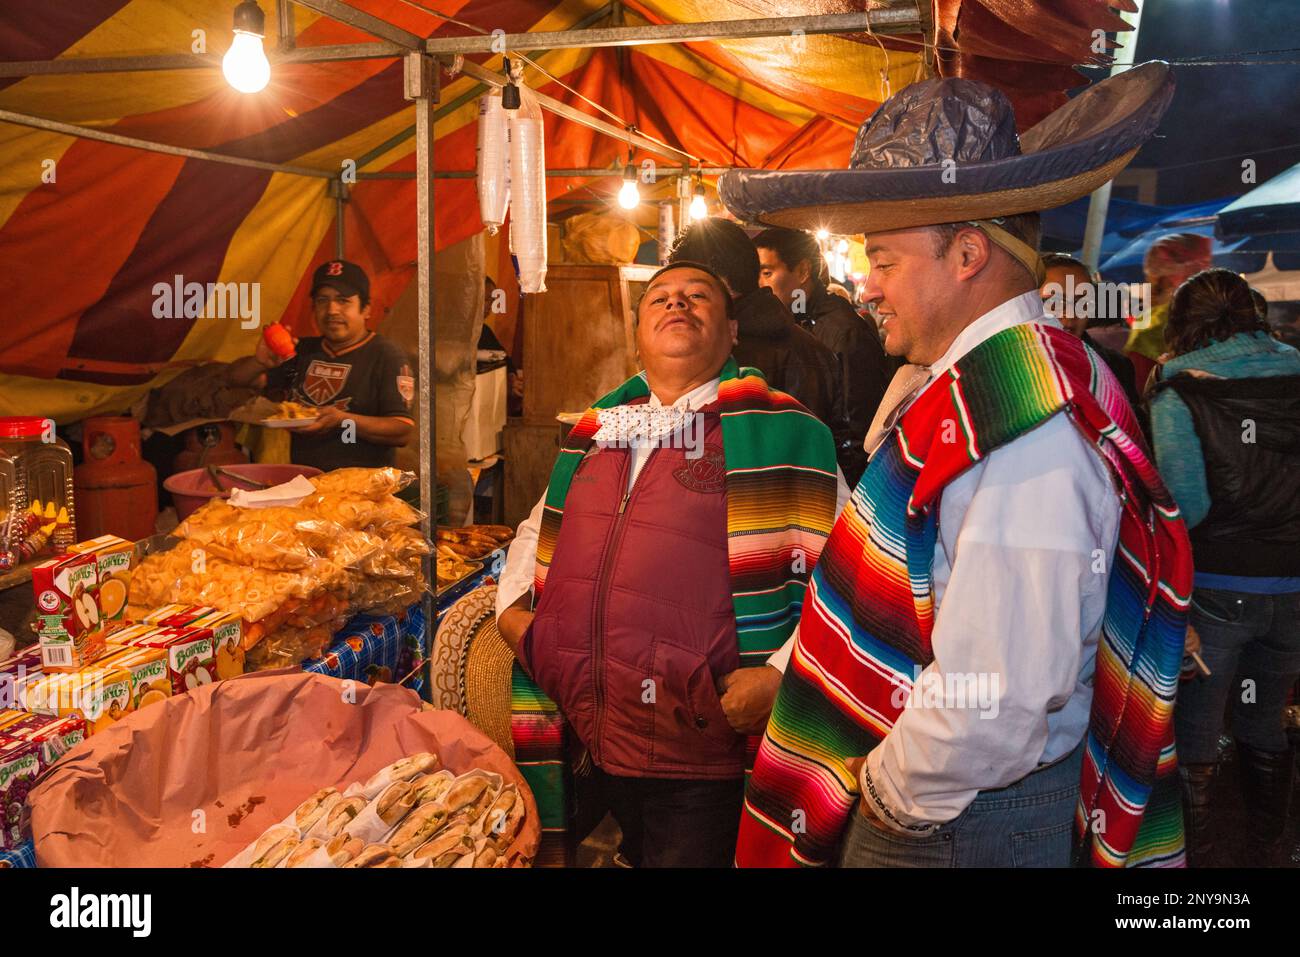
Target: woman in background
pixel 1225 420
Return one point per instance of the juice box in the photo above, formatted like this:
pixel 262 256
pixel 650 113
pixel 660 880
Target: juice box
pixel 98 695
pixel 115 557
pixel 226 627
pixel 20 763
pixel 67 609
pixel 150 677
pixel 190 659
pixel 15 670
pixel 56 736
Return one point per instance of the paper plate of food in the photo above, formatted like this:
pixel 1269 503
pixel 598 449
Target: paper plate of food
pixel 290 415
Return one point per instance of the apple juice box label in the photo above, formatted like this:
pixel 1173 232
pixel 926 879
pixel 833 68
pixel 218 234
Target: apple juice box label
pixel 227 636
pixel 189 656
pixel 66 591
pixel 151 679
pixel 114 557
pixel 20 763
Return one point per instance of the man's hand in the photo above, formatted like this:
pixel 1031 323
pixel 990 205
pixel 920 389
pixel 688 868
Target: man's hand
pixel 512 624
pixel 1191 643
pixel 747 697
pixel 331 417
pixel 854 767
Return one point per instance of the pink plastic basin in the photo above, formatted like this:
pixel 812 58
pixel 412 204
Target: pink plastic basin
pixel 193 488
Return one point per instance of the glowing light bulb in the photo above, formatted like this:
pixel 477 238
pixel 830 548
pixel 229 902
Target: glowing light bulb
pixel 629 196
pixel 823 235
pixel 699 209
pixel 245 66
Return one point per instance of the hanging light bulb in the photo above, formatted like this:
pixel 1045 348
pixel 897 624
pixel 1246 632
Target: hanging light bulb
pixel 699 209
pixel 245 66
pixel 823 235
pixel 510 97
pixel 629 196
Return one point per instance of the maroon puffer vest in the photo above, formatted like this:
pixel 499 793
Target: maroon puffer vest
pixel 636 624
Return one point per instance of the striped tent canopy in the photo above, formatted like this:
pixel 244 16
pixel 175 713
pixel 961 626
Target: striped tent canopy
pixel 87 228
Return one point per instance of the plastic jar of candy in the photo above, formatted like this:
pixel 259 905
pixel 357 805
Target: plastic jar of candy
pixel 41 463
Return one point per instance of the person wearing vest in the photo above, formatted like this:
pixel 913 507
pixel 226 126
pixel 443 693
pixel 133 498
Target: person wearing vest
pixel 986 661
pixel 664 567
pixel 1225 419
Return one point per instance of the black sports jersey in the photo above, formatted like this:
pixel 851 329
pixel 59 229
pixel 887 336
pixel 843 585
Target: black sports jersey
pixel 372 377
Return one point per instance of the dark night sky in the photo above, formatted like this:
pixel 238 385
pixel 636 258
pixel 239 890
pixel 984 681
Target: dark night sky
pixel 1223 109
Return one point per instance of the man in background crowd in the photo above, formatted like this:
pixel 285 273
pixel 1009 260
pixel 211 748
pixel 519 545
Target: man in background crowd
pixel 768 338
pixel 1065 294
pixel 1170 260
pixel 791 267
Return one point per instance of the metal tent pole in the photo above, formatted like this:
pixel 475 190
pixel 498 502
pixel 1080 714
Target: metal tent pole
pixel 421 80
pixel 90 133
pixel 1099 203
pixel 887 21
pixel 552 105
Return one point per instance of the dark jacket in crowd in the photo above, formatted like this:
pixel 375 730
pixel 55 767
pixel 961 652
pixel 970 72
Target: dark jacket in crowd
pixel 789 357
pixel 1119 364
pixel 1226 424
pixel 864 372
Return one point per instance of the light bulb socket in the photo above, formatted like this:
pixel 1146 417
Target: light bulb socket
pixel 510 98
pixel 629 173
pixel 249 18
pixel 699 190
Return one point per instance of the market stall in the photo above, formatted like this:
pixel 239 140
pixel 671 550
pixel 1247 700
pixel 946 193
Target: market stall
pixel 321 575
pixel 370 105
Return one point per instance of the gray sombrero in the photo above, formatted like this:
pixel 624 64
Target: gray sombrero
pixel 946 150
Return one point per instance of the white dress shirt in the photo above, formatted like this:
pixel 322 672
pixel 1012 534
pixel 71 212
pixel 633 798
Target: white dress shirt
pixel 521 558
pixel 1021 567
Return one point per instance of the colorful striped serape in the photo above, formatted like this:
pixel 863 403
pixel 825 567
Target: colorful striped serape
pixel 870 613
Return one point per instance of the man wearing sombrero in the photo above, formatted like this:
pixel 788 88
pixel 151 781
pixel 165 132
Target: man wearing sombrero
pixel 996 622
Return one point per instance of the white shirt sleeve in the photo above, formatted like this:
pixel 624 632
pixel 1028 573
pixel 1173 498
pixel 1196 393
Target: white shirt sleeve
pixel 521 560
pixel 1029 535
pixel 781 657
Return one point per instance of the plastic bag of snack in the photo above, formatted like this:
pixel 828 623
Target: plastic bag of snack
pixel 355 511
pixel 353 548
pixel 368 483
pixel 278 537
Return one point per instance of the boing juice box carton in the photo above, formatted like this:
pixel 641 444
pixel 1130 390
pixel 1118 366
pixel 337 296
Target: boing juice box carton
pixel 67 610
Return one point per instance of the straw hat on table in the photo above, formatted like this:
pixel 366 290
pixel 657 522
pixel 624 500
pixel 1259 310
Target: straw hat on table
pixel 471 666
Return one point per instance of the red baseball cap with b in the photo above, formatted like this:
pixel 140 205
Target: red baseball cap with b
pixel 348 278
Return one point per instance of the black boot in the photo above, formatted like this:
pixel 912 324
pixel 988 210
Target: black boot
pixel 1266 785
pixel 1197 780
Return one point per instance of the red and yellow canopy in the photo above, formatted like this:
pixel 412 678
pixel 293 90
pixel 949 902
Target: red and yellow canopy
pixel 87 229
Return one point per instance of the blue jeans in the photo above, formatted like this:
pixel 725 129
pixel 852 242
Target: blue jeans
pixel 1027 824
pixel 1251 644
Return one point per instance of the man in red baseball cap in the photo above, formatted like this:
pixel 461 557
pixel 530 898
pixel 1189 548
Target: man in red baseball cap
pixel 360 382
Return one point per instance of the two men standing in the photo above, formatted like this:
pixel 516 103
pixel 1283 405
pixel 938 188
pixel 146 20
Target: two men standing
pixel 1009 529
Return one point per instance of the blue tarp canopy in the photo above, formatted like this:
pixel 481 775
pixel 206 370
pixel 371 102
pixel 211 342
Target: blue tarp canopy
pixel 1272 207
